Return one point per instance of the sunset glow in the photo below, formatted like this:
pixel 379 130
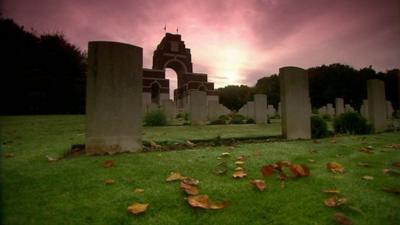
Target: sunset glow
pixel 235 42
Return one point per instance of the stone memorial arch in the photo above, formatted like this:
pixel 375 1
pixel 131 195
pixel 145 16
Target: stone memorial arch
pixel 172 53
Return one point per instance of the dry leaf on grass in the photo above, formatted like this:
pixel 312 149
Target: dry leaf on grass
pixel 391 172
pixel 311 160
pixel 139 190
pixel 190 181
pixel 366 150
pixel 108 163
pixel 342 219
pixel 9 155
pixel 260 184
pixel 109 181
pixel 367 177
pixel 190 144
pixel 239 174
pixel 175 176
pixel 334 202
pixel 51 159
pixel 239 163
pixel 300 170
pixel 225 154
pixel 137 208
pixel 335 167
pixel 332 191
pixel 202 201
pixel 267 170
pixel 155 145
pixel 189 188
pixel 396 164
pixel 241 158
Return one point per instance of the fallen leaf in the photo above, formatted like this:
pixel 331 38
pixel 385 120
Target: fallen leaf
pixel 283 163
pixel 367 177
pixel 51 159
pixel 334 202
pixel 239 163
pixel 241 158
pixel 139 190
pixel 335 167
pixel 239 174
pixel 366 150
pixel 395 146
pixel 311 160
pixel 392 190
pixel 283 176
pixel 364 164
pixel 190 144
pixel 300 170
pixel 154 145
pixel 225 154
pixel 202 201
pixel 238 168
pixel 137 208
pixel 190 181
pixel 109 181
pixel 189 189
pixel 391 172
pixel 342 219
pixel 396 164
pixel 267 170
pixel 260 184
pixel 331 191
pixel 333 141
pixel 108 163
pixel 175 176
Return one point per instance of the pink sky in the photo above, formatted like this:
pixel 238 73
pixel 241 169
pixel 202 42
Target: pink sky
pixel 234 41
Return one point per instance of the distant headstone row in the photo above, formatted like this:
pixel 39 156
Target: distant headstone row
pixel 114 102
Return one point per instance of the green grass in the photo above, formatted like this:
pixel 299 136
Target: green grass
pixel 71 191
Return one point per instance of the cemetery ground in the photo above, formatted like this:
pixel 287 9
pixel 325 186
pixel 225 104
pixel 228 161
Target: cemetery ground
pixel 72 190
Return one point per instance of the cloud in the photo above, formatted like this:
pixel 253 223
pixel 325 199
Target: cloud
pixel 233 41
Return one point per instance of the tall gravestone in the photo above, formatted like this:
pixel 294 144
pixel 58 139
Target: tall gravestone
pixel 243 110
pixel 113 98
pixel 364 109
pixel 389 110
pixel 250 110
pixel 168 106
pixel 260 108
pixel 377 104
pixel 213 110
pixel 330 110
pixel 295 103
pixel 198 107
pixel 339 106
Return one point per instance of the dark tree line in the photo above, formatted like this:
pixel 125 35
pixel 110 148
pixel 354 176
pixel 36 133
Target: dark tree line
pixel 40 74
pixel 325 82
pixel 45 74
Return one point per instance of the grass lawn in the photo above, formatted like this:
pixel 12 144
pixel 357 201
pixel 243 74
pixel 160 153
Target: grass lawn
pixel 72 190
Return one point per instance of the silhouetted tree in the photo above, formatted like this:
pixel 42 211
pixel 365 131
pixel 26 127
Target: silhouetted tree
pixel 43 74
pixel 234 97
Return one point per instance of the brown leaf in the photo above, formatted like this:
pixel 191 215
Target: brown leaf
pixel 155 145
pixel 109 181
pixel 260 184
pixel 333 141
pixel 283 176
pixel 202 201
pixel 225 154
pixel 239 174
pixel 335 167
pixel 239 163
pixel 8 155
pixel 189 189
pixel 367 177
pixel 198 201
pixel 51 159
pixel 332 191
pixel 267 170
pixel 311 160
pixel 108 163
pixel 190 181
pixel 300 170
pixel 392 190
pixel 282 163
pixel 334 202
pixel 241 158
pixel 391 172
pixel 137 208
pixel 190 144
pixel 396 164
pixel 139 190
pixel 342 219
pixel 366 150
pixel 175 176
